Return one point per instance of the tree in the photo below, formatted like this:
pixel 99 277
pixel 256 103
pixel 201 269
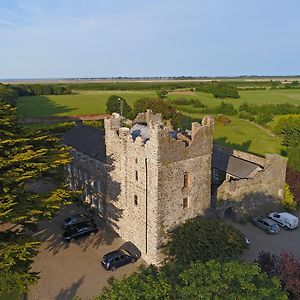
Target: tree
pixel 203 239
pixel 231 280
pixel 223 90
pixel 210 280
pixel 25 156
pixel 286 267
pixel 116 103
pixel 148 284
pixel 164 107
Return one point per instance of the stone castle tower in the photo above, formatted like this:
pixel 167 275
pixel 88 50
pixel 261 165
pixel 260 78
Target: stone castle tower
pixel 157 178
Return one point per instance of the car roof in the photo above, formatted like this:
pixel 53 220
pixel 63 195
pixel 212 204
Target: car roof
pixel 114 254
pixel 269 221
pixel 286 214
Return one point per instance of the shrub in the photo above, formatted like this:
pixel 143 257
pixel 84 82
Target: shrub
pixel 182 101
pixel 222 120
pixel 246 115
pixel 197 103
pixel 293 180
pixel 226 109
pixel 263 117
pixel 203 239
pixel 288 201
pixel 294 157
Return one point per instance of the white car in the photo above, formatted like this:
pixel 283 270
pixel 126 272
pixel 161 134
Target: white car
pixel 284 219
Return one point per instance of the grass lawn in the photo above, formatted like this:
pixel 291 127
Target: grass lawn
pixel 240 134
pixel 246 136
pixel 89 102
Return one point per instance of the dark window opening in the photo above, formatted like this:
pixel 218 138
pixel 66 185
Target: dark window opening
pixel 135 200
pixel 185 202
pixel 186 180
pixel 136 175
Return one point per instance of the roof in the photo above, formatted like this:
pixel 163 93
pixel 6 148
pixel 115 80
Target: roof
pixel 87 139
pixel 139 130
pixel 232 165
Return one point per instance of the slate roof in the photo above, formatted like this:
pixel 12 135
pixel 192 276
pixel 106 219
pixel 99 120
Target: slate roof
pixel 232 165
pixel 87 139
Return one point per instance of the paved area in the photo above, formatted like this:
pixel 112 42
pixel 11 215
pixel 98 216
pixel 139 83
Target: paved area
pixel 73 269
pixel 285 240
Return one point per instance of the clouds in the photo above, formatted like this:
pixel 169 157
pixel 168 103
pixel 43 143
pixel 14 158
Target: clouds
pixel 69 38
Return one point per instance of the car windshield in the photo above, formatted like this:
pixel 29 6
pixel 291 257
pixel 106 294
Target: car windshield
pixel 67 220
pixel 274 226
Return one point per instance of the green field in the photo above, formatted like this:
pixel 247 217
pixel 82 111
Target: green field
pixel 83 103
pixel 257 97
pixel 240 134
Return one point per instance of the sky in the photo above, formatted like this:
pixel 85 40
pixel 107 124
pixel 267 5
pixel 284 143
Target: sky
pixel 109 38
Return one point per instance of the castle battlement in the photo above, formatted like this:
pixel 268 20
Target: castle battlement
pixel 151 132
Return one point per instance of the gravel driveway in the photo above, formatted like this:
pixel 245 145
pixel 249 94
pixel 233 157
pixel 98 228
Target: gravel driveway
pixel 73 269
pixel 285 240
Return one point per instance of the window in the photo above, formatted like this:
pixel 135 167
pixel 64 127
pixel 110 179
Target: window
pixel 83 158
pixel 136 160
pixel 136 175
pixel 186 180
pixel 135 200
pixel 91 162
pixel 216 174
pixel 78 155
pixel 185 202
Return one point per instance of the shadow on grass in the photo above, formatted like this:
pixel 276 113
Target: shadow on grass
pixel 224 142
pixel 39 106
pixel 69 293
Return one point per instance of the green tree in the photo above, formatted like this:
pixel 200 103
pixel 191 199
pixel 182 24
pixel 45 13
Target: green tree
pixel 148 284
pixel 116 103
pixel 164 107
pixel 25 156
pixel 231 280
pixel 204 239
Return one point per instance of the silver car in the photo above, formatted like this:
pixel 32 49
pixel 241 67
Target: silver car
pixel 266 224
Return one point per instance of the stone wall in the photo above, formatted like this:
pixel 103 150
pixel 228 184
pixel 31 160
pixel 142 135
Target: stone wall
pixel 86 173
pixel 151 180
pixel 248 197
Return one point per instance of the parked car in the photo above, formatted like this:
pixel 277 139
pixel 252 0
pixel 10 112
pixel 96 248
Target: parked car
pixel 127 253
pixel 79 231
pixel 76 219
pixel 266 224
pixel 284 219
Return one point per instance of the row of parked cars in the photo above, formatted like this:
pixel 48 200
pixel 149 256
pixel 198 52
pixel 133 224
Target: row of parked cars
pixel 80 225
pixel 271 223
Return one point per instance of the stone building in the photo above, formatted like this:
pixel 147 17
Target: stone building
pixel 148 178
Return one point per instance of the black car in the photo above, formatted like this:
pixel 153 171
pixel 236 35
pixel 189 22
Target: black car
pixel 80 231
pixel 76 219
pixel 126 254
